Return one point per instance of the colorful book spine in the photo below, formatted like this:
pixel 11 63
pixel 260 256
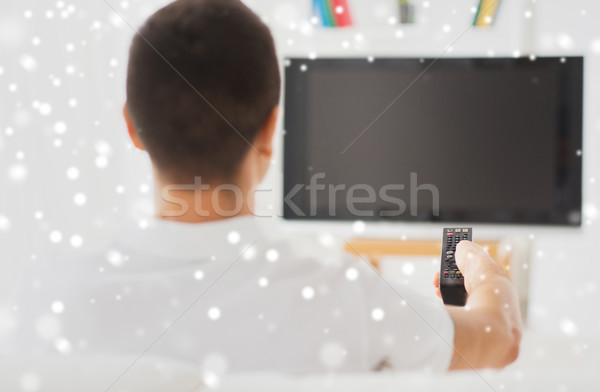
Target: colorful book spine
pixel 332 13
pixel 486 13
pixel 341 13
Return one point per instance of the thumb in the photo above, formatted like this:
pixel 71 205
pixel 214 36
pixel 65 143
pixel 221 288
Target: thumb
pixel 469 256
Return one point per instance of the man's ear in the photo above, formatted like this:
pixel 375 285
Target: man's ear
pixel 131 129
pixel 264 140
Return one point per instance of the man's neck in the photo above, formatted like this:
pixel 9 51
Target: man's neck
pixel 195 203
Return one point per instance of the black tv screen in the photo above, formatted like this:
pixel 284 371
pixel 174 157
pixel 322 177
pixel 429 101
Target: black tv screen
pixel 490 140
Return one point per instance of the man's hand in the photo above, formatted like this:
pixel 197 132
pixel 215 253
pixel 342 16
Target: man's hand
pixel 488 328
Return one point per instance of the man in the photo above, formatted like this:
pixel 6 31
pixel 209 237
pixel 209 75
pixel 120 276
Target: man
pixel 202 281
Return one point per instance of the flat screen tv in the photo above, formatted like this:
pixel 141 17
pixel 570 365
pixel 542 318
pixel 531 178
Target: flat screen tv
pixel 489 140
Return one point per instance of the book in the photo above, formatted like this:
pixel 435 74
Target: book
pixel 341 13
pixel 486 13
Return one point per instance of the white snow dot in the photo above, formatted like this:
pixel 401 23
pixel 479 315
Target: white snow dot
pixel 488 329
pixel 446 28
pixel 55 236
pixel 113 62
pixel 210 379
pixel 79 199
pixel 214 313
pixel 45 108
pixel 590 211
pixel 60 127
pixel 17 172
pixel 332 355
pixel 101 161
pixel 102 147
pixel 358 226
pixel 62 345
pixel 38 215
pixel 57 307
pixel 72 102
pixel 272 255
pixel 143 224
pixel 198 275
pixel 339 10
pixel 569 327
pixel 72 173
pixel 377 314
pixel 4 223
pixel 28 62
pixel 13 87
pixel 303 67
pixel 408 268
pixel 351 274
pixel 564 41
pixel 250 253
pixel 233 237
pixel 308 293
pixel 263 282
pixel 69 47
pixel 35 41
pixel 326 239
pixel 76 241
pixel 115 258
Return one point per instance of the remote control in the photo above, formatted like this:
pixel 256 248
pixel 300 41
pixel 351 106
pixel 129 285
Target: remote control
pixel 452 283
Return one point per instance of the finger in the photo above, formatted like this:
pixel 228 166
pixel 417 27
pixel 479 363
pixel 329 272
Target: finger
pixel 466 251
pixel 438 292
pixel 436 279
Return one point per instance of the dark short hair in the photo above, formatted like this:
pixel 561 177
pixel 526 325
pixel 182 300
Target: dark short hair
pixel 202 79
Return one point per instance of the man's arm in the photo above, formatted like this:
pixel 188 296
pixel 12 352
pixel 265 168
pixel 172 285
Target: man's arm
pixel 488 328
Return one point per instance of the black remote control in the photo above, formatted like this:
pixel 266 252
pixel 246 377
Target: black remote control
pixel 452 282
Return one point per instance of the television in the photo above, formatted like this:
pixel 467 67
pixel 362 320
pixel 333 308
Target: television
pixel 488 140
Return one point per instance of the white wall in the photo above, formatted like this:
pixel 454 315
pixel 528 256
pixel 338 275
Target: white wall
pixel 35 153
pixel 563 284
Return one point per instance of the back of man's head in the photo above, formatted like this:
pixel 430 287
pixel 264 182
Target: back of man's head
pixel 202 80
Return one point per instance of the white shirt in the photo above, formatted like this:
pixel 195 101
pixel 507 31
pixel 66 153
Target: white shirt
pixel 227 296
